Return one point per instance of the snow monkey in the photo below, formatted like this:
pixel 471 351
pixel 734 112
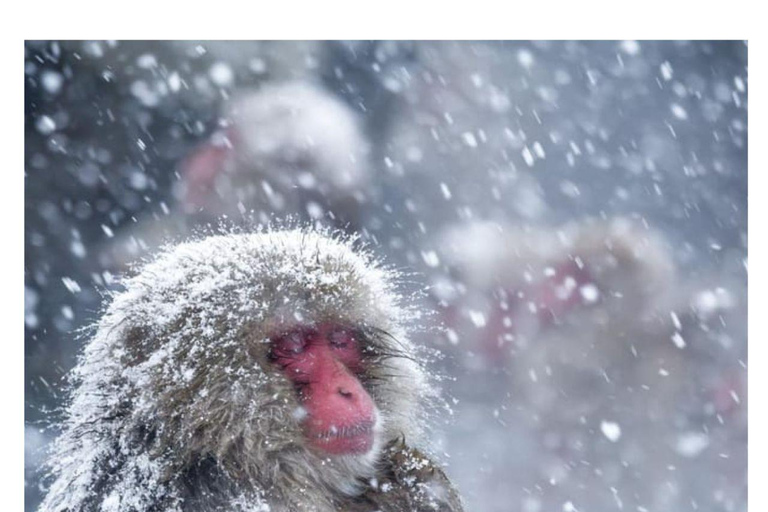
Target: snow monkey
pixel 290 148
pixel 251 372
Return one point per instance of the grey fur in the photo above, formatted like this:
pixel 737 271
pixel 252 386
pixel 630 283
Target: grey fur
pixel 176 407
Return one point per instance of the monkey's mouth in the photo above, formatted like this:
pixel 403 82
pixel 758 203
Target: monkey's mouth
pixel 345 440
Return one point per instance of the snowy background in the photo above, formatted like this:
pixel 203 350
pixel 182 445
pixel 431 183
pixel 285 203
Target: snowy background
pixel 459 163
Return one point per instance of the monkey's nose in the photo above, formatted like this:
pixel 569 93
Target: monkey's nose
pixel 345 392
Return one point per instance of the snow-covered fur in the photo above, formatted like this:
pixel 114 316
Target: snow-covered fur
pixel 176 406
pixel 287 129
pixel 624 256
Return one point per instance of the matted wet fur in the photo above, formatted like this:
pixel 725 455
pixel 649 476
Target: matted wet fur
pixel 176 406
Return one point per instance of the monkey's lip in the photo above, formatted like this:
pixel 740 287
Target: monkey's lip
pixel 353 439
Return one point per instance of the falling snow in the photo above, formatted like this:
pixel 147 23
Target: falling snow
pixel 611 430
pixel 571 217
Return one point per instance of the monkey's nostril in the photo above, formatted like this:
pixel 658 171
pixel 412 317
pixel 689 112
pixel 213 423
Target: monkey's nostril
pixel 345 392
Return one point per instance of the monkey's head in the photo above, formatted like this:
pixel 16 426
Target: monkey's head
pixel 279 359
pixel 282 142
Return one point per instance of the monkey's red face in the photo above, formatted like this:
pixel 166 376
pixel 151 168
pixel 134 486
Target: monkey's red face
pixel 324 363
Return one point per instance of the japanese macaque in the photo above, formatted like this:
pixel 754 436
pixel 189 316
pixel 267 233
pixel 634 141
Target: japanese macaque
pixel 615 274
pixel 289 148
pixel 598 340
pixel 264 371
pixel 277 143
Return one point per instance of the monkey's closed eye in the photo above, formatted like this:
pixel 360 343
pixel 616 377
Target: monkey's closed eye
pixel 290 344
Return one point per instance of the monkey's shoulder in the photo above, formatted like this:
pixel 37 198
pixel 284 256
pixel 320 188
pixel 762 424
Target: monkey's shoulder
pixel 409 482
